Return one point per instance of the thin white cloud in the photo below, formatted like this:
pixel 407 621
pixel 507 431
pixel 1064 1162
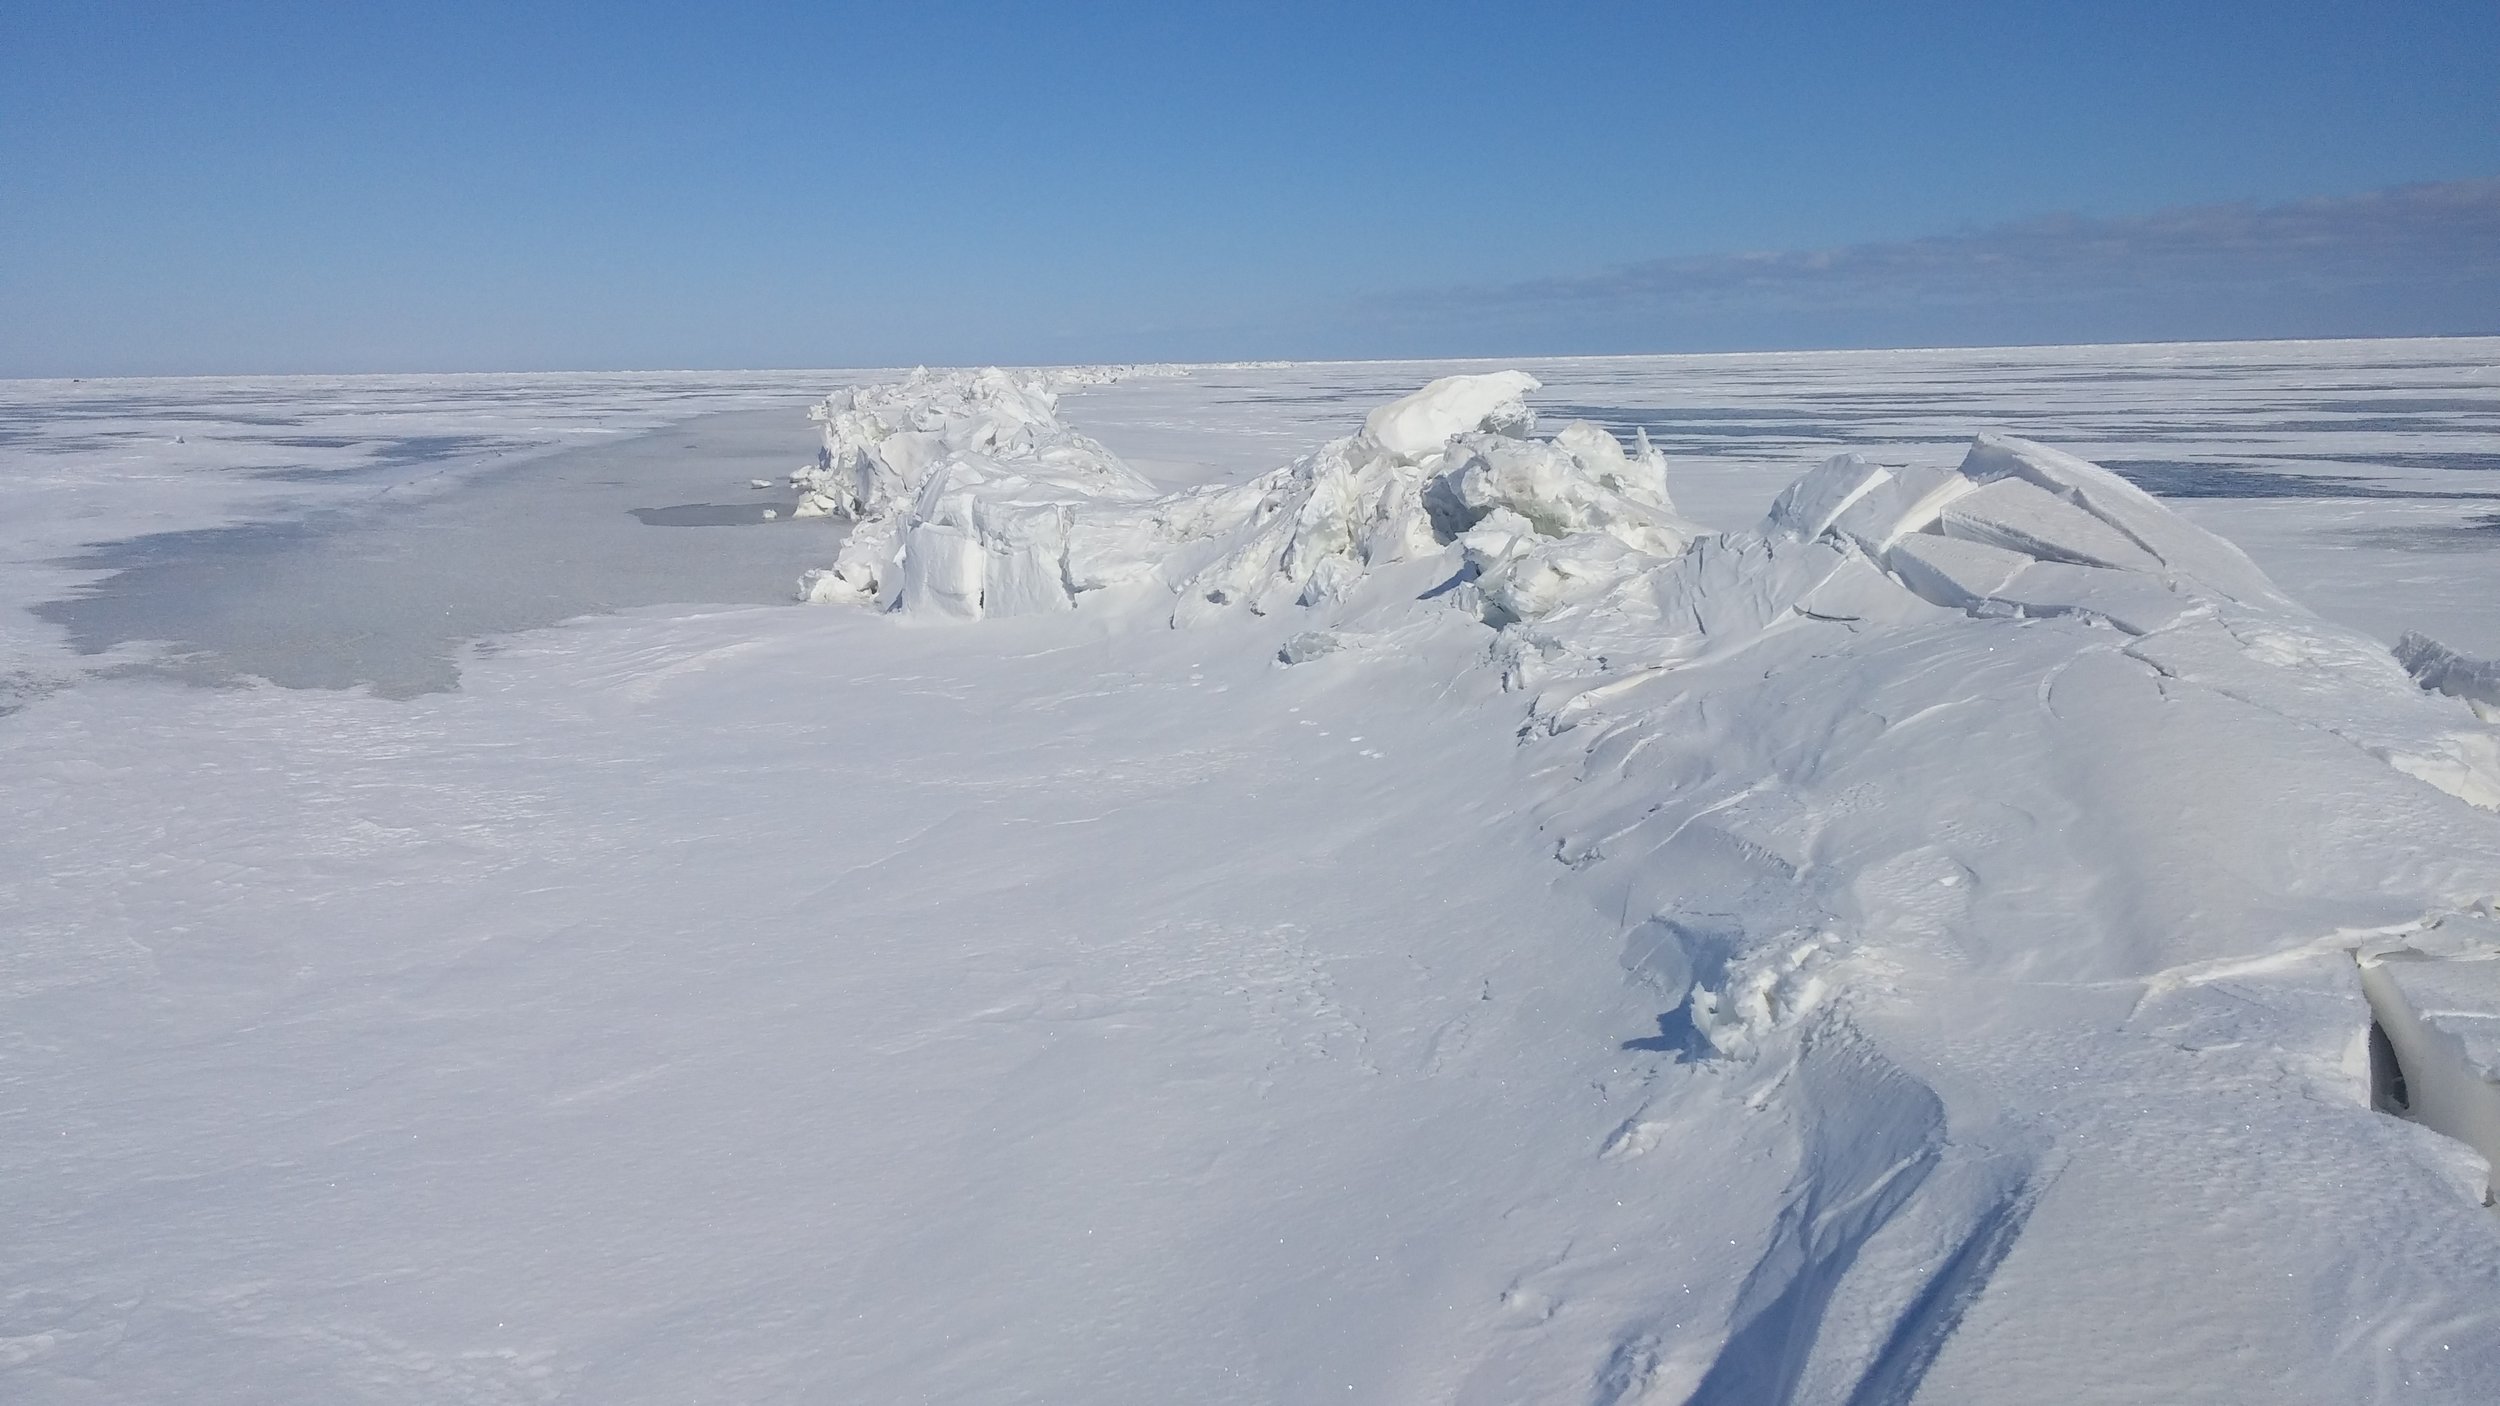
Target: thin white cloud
pixel 2411 259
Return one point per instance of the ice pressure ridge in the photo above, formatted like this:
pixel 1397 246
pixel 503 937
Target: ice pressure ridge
pixel 2024 590
pixel 1899 783
pixel 971 497
pixel 2022 570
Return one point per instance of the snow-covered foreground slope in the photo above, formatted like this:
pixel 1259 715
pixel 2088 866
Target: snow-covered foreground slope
pixel 1921 945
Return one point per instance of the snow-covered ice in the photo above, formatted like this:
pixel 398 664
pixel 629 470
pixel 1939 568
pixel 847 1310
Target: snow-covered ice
pixel 1376 887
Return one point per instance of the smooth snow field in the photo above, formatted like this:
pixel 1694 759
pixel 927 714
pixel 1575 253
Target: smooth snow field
pixel 1747 879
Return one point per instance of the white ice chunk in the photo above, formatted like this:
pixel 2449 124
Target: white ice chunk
pixel 1991 579
pixel 1952 571
pixel 1735 586
pixel 1858 590
pixel 1900 505
pixel 1561 492
pixel 1027 547
pixel 1413 426
pixel 1639 474
pixel 1304 533
pixel 941 571
pixel 2442 1018
pixel 1807 508
pixel 1535 575
pixel 960 488
pixel 2443 670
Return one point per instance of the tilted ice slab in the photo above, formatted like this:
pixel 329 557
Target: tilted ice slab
pixel 2436 1003
pixel 2442 670
pixel 1902 787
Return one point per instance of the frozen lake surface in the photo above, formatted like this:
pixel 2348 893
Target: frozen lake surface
pixel 473 937
pixel 387 594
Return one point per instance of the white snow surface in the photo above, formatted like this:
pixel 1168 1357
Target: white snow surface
pixel 1431 922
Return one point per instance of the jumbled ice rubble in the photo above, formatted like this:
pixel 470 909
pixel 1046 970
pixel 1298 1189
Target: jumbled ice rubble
pixel 2154 769
pixel 971 498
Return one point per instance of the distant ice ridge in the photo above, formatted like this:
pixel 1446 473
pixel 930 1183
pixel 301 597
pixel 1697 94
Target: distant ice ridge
pixel 962 488
pixel 970 498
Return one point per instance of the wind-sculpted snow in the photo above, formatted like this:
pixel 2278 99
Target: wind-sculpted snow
pixel 1968 792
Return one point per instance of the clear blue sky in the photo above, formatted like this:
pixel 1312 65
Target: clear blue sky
pixel 347 186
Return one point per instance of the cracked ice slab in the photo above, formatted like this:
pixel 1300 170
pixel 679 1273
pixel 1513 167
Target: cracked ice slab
pixel 2441 1015
pixel 2180 546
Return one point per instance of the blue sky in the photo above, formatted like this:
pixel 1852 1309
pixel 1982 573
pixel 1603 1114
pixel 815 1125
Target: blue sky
pixel 275 187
